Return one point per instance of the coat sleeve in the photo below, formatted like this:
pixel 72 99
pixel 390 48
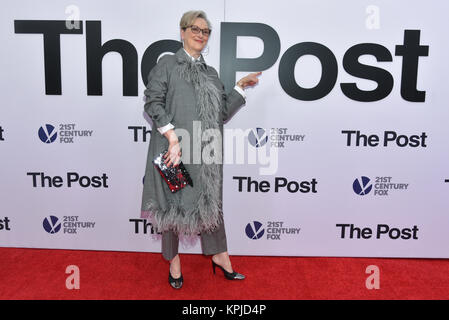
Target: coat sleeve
pixel 232 102
pixel 155 94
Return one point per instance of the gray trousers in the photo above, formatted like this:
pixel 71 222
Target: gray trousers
pixel 211 243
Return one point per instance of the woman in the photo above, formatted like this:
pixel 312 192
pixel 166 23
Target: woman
pixel 184 93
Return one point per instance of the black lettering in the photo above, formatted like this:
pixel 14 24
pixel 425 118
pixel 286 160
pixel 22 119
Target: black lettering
pixel 406 233
pixel 389 136
pixel 240 179
pixel 95 53
pixel 51 30
pixel 352 66
pixel 423 140
pixel 72 177
pixel 328 75
pixel 279 182
pixel 104 179
pixel 34 175
pixel 414 141
pixel 305 186
pixel 343 227
pixel 410 52
pixel 152 53
pixel 96 182
pixel 382 229
pixel 415 232
pixel 252 183
pixel 348 133
pixel 366 233
pixel 135 131
pixel 354 230
pixel 4 224
pixel 295 187
pixel 230 64
pixel 394 233
pixel 314 183
pixel 136 224
pixel 264 186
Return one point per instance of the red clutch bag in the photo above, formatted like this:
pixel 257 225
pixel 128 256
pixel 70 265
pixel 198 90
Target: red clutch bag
pixel 175 177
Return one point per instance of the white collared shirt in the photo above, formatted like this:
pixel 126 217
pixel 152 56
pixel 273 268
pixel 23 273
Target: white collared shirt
pixel 169 126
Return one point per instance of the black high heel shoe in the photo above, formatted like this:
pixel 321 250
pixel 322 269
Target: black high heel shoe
pixel 228 275
pixel 175 283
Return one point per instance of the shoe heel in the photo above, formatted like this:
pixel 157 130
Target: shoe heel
pixel 213 266
pixel 228 275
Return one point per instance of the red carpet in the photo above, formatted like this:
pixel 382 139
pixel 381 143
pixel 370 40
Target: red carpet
pixel 40 274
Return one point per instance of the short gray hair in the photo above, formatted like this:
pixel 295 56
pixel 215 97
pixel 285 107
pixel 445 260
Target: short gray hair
pixel 190 16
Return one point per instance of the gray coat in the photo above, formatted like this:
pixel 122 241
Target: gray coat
pixel 173 98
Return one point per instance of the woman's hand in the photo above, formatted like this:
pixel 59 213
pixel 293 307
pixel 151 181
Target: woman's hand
pixel 173 155
pixel 249 80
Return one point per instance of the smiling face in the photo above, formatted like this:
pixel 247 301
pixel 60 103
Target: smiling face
pixel 195 43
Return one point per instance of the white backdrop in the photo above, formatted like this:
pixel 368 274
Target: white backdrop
pixel 412 221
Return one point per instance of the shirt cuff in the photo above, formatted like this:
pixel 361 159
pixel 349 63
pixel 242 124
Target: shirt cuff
pixel 165 128
pixel 240 90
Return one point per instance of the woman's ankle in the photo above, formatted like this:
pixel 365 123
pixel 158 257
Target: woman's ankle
pixel 175 266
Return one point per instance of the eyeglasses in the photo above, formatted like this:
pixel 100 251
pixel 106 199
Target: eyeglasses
pixel 196 30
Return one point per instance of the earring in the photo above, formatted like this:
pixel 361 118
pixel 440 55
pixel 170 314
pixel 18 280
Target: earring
pixel 206 51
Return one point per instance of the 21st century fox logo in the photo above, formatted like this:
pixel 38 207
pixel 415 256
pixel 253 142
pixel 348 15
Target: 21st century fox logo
pixel 274 230
pixel 70 224
pixel 66 134
pixel 383 186
pixel 275 137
